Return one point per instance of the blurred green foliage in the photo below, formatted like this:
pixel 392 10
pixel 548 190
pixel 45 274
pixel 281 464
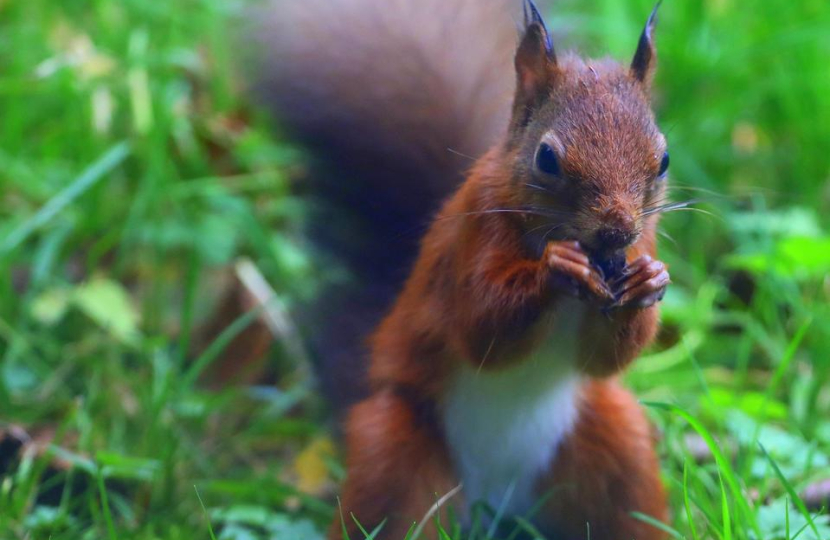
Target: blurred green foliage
pixel 135 171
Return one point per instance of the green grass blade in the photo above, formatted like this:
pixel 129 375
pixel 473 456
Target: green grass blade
pixel 366 535
pixel 95 172
pixel 686 501
pixel 724 466
pixel 105 505
pixel 790 491
pixel 207 517
pixel 724 504
pixel 501 510
pixel 217 346
pixel 535 509
pixel 343 530
pixel 411 531
pixel 780 371
pixel 528 527
pixel 656 523
pixel 786 359
pixel 799 531
pixel 442 533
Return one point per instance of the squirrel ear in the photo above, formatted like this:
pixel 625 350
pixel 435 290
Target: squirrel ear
pixel 645 59
pixel 534 58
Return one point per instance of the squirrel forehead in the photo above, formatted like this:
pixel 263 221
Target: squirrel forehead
pixel 601 119
pixel 599 96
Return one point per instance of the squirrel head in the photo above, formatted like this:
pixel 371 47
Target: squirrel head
pixel 589 159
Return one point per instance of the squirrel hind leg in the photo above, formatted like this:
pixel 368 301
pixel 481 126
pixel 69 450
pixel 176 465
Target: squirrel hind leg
pixel 605 470
pixel 398 469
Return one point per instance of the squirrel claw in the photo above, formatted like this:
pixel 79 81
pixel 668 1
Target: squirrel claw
pixel 573 269
pixel 642 286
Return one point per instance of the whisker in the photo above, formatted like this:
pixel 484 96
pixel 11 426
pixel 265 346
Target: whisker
pixel 484 212
pixel 423 228
pixel 668 207
pixel 681 204
pixel 549 211
pixel 542 212
pixel 545 236
pixel 697 190
pixel 540 188
pixel 534 229
pixel 457 153
pixel 486 354
pixel 690 209
pixel 679 208
pixel 705 196
pixel 668 237
pixel 741 192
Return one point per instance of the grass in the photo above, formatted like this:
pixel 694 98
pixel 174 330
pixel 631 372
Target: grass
pixel 136 173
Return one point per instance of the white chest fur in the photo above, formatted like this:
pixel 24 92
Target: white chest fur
pixel 504 427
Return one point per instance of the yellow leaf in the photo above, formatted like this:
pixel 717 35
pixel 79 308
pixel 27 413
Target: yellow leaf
pixel 310 466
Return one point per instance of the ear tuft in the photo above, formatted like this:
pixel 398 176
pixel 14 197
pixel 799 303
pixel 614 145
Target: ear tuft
pixel 533 17
pixel 645 59
pixel 534 59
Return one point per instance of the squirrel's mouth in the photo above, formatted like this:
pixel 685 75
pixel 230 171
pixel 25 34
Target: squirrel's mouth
pixel 610 265
pixel 608 251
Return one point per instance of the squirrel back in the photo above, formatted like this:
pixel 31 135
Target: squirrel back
pixel 395 99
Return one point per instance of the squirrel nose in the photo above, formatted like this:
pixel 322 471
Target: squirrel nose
pixel 617 232
pixel 614 238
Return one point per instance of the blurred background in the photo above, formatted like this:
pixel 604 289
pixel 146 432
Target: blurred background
pixel 152 383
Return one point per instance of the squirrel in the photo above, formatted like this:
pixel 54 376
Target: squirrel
pixel 492 373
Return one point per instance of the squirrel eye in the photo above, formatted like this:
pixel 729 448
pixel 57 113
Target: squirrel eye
pixel 546 160
pixel 664 164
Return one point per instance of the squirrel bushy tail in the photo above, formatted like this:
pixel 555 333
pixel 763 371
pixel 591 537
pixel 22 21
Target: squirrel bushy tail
pixel 394 98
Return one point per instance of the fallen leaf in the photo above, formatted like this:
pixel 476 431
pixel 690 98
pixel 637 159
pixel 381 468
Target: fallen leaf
pixel 310 467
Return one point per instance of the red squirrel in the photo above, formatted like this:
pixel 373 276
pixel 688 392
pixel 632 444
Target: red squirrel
pixel 493 374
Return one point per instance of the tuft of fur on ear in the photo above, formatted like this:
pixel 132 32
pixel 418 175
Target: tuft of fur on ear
pixel 534 59
pixel 645 59
pixel 531 17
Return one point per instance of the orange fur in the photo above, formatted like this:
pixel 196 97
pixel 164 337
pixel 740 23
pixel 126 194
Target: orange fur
pixel 397 466
pixel 474 296
pixel 605 471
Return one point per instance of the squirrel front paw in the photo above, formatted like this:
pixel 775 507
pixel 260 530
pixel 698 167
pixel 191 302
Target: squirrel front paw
pixel 573 272
pixel 641 284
